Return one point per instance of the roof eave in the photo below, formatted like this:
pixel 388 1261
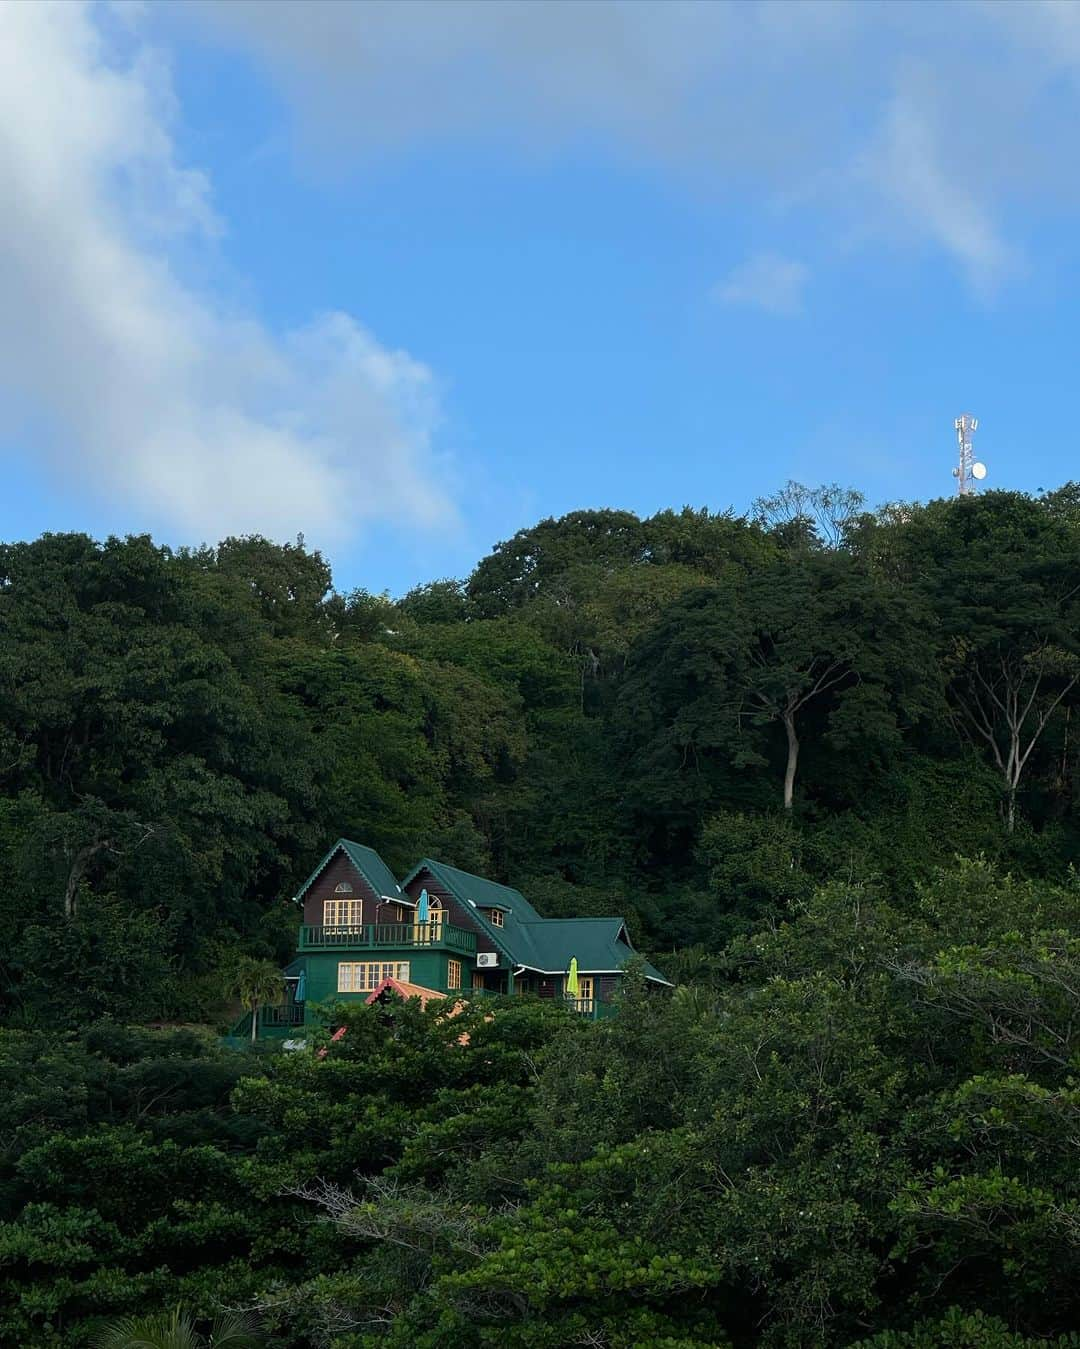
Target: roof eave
pixel 339 846
pixel 583 969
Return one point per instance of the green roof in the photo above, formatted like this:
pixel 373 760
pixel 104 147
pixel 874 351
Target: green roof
pixel 601 945
pixel 366 861
pixel 543 944
pixel 478 893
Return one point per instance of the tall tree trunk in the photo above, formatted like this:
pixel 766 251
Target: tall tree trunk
pixel 1010 808
pixel 254 1021
pixel 792 759
pixel 79 864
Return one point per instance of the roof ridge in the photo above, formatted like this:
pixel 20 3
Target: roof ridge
pixel 376 861
pixel 472 875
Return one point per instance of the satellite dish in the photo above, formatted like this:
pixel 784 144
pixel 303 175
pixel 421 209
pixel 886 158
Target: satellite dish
pixel 978 470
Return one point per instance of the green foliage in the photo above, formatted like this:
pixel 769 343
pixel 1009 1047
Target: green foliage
pixel 177 1330
pixel 856 1120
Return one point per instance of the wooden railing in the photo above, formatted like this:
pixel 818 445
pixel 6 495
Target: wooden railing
pixel 373 936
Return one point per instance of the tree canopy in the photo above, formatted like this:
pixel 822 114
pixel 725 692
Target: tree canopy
pixel 823 760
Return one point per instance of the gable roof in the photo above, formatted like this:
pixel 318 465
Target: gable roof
pixel 477 893
pixel 545 945
pixel 405 990
pixel 366 861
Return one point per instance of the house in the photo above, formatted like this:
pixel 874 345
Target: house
pixel 439 931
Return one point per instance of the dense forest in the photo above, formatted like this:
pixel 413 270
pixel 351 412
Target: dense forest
pixel 824 760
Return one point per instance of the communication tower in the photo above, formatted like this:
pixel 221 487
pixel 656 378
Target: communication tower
pixel 969 470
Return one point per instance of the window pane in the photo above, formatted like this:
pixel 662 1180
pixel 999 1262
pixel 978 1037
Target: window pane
pixel 365 976
pixel 342 912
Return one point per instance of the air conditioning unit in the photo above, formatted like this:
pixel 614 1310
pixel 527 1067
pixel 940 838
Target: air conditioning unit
pixel 487 960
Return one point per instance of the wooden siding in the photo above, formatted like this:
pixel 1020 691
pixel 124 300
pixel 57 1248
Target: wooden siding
pixel 461 915
pixel 339 869
pixel 605 987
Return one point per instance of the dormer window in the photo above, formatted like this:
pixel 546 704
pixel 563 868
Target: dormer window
pixel 496 916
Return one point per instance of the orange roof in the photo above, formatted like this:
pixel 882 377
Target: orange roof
pixel 404 990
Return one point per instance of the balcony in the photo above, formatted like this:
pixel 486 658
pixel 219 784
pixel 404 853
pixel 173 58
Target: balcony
pixel 386 936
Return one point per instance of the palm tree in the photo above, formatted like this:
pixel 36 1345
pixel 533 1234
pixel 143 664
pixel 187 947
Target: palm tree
pixel 696 1001
pixel 176 1330
pixel 257 983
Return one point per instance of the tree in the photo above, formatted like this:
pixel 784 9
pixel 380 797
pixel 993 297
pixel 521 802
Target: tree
pixel 810 517
pixel 178 1330
pixel 257 983
pixel 793 640
pixel 1002 573
pixel 1008 701
pixel 442 601
pixel 521 568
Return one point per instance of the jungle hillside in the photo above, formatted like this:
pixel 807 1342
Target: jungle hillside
pixel 823 759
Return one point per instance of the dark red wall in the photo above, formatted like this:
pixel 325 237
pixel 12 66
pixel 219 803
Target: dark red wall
pixel 339 869
pixel 460 915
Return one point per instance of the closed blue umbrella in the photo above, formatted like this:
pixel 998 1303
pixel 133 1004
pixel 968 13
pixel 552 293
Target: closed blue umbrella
pixel 423 909
pixel 301 987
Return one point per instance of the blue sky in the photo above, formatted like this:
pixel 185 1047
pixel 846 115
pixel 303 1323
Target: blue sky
pixel 406 278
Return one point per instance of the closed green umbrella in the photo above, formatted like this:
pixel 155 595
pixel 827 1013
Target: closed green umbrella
pixel 572 986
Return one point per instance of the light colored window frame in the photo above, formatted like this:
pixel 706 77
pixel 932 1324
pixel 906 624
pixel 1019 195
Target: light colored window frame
pixel 497 918
pixel 364 976
pixel 453 974
pixel 431 931
pixel 343 912
pixel 586 998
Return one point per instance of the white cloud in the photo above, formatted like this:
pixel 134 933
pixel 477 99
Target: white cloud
pixel 766 281
pixel 906 123
pixel 198 417
pixel 907 165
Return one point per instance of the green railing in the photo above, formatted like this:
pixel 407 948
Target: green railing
pixel 375 936
pixel 274 1022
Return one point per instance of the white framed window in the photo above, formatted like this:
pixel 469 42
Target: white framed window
pixel 496 916
pixel 363 976
pixel 342 912
pixel 453 974
pixel 584 1000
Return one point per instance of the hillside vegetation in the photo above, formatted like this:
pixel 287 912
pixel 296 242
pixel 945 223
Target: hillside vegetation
pixel 826 763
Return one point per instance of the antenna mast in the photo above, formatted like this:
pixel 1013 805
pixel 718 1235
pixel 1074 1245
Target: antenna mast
pixel 968 471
